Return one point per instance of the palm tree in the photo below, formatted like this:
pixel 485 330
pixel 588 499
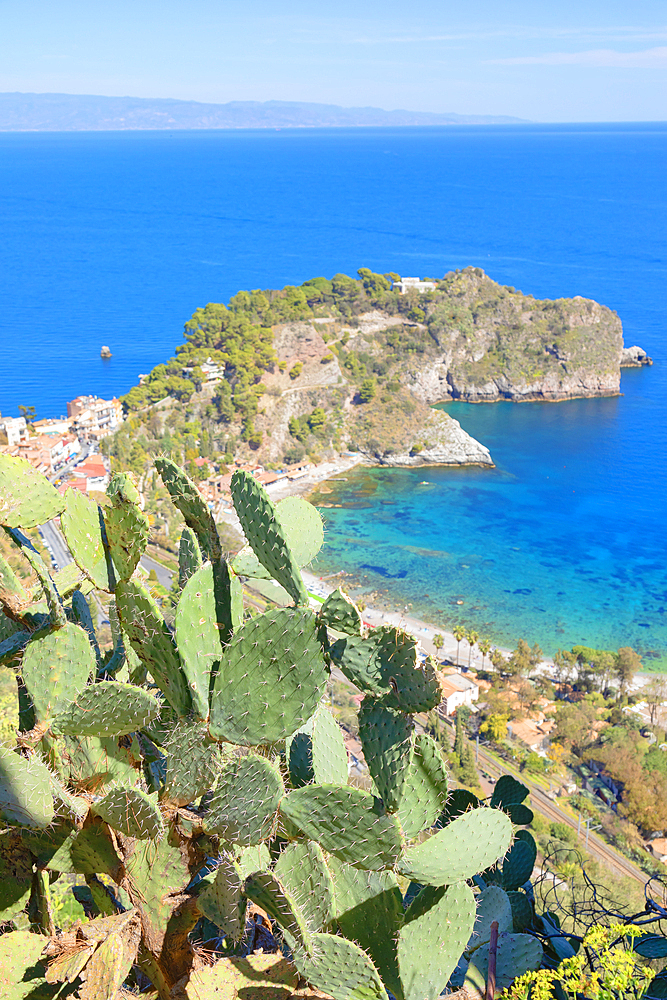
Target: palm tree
pixel 485 649
pixel 438 642
pixel 472 638
pixel 459 633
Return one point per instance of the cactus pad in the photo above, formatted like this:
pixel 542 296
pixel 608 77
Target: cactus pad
pixel 425 787
pixel 132 812
pixel 126 526
pixel 386 665
pixel 83 526
pixel 193 763
pixel 302 525
pixel 414 686
pixel 243 807
pixel 358 660
pixel 27 498
pixel 468 845
pixel 271 679
pixel 441 918
pixel 25 791
pixel 369 911
pixel 518 863
pixel 341 614
pixel 108 708
pixel 153 643
pixel 516 955
pixel 492 904
pixel 81 614
pixel 188 499
pixel 347 822
pixel 56 668
pixel 265 533
pixel 267 891
pixel 92 852
pixel 522 911
pixel 303 872
pixel 94 762
pixel 520 814
pixel 386 738
pixel 189 556
pixel 257 977
pixel 340 968
pixel 460 801
pixel 20 975
pixel 51 595
pixel 223 902
pixel 198 636
pixel 253 859
pixel 316 752
pixel 508 791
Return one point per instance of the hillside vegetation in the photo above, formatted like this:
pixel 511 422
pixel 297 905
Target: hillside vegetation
pixel 349 363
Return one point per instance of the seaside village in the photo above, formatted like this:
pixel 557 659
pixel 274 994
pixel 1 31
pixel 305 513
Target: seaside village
pixel 66 451
pixel 540 725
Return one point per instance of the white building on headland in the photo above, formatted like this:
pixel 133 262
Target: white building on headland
pixel 413 285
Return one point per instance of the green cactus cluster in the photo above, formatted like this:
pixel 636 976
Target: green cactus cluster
pixel 191 771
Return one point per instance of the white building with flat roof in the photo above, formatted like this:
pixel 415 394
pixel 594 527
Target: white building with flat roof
pixel 458 690
pixel 12 430
pixel 413 285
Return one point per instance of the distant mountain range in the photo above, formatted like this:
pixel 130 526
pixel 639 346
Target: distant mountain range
pixel 83 112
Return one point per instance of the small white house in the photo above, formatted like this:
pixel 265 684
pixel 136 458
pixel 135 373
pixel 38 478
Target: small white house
pixel 458 690
pixel 13 430
pixel 413 285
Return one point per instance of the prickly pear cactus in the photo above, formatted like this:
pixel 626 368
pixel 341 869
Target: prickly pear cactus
pixel 192 774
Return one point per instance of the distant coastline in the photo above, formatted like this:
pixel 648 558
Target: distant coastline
pixel 85 112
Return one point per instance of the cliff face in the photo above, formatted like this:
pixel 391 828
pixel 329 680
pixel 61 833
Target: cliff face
pixel 471 340
pixel 352 364
pixel 496 343
pixel 394 427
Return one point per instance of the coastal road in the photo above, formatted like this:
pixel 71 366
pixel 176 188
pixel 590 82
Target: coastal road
pixel 164 575
pixel 55 543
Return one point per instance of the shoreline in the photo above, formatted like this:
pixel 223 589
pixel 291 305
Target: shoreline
pixel 320 586
pixel 420 628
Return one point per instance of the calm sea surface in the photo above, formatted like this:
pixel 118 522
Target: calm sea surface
pixel 115 238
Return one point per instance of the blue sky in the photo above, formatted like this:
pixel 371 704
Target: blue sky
pixel 592 60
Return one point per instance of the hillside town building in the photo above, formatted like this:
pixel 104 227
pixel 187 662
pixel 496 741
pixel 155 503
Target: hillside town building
pixel 48 453
pixel 458 690
pixel 12 430
pixel 94 418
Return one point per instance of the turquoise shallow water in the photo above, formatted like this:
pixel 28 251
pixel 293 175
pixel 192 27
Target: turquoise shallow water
pixel 115 238
pixel 560 543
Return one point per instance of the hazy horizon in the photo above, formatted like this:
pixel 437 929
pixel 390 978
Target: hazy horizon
pixel 554 62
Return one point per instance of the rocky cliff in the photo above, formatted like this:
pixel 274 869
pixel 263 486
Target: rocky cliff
pixel 347 364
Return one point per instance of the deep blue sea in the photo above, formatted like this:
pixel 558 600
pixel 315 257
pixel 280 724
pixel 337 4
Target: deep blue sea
pixel 115 238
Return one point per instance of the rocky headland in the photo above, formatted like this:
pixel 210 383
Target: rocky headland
pixel 356 365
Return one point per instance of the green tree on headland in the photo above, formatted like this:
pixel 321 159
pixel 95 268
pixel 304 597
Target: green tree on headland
pixel 367 390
